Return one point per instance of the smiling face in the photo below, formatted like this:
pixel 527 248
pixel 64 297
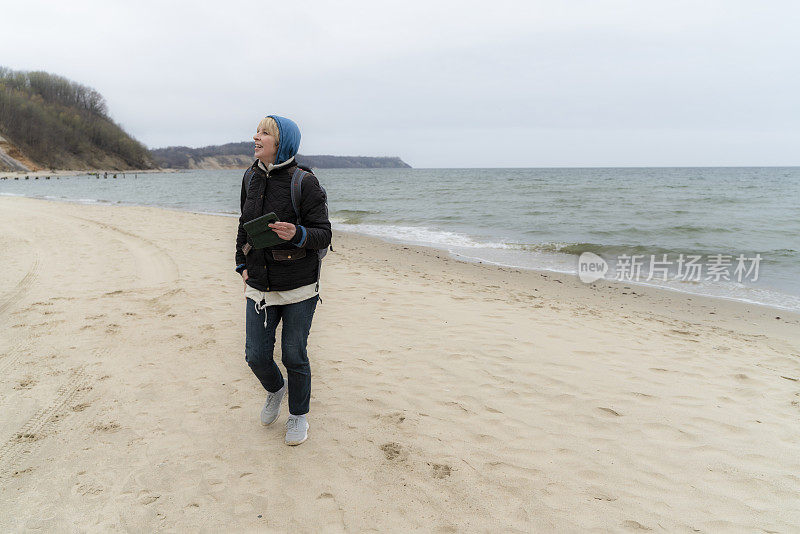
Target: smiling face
pixel 266 141
pixel 266 147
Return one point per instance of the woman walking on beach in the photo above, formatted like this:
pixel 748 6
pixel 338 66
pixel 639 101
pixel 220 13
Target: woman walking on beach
pixel 281 282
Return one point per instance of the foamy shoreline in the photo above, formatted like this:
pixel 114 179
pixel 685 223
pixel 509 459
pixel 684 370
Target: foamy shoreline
pixel 774 300
pixel 447 396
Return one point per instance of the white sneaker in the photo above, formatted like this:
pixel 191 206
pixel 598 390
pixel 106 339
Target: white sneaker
pixel 272 408
pixel 296 429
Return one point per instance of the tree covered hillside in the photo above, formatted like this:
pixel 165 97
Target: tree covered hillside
pixel 60 124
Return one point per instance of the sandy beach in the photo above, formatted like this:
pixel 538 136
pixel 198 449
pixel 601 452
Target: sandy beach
pixel 446 396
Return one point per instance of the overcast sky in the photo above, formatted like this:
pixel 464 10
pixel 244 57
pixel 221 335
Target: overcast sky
pixel 440 84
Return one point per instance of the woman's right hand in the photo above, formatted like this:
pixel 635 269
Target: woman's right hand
pixel 244 278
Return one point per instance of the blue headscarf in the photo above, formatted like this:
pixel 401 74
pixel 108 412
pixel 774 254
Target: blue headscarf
pixel 289 135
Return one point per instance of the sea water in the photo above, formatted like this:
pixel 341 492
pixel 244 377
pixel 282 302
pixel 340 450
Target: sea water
pixel 737 228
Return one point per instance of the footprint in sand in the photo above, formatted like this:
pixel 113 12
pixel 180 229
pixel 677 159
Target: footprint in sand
pixel 634 525
pixel 455 404
pixel 683 332
pixel 26 383
pixel 88 490
pixel 80 407
pixel 145 497
pixel 327 500
pixel 394 451
pixel 113 426
pixel 440 470
pixel 112 328
pixel 22 472
pixel 26 437
pixel 395 417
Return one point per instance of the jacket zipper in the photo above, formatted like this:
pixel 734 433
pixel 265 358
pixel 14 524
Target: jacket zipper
pixel 263 195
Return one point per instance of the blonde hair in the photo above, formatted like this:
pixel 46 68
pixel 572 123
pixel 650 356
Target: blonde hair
pixel 269 126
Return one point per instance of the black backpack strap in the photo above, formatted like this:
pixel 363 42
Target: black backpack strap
pixel 296 190
pixel 248 176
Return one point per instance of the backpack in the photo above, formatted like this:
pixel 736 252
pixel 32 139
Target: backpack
pixel 296 189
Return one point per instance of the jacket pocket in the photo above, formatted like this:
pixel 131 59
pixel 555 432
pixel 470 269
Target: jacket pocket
pixel 288 255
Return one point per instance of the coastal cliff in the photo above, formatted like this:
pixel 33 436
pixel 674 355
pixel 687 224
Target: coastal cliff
pixel 50 122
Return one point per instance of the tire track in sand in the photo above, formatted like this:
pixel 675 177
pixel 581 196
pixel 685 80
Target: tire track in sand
pixel 12 355
pixel 27 439
pixel 22 286
pixel 155 265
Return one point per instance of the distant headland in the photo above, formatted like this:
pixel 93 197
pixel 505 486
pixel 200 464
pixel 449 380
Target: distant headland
pixel 240 155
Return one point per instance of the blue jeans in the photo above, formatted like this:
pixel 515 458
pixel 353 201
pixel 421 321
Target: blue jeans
pixel 260 343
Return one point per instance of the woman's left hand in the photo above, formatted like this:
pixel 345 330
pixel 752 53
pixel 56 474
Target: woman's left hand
pixel 284 230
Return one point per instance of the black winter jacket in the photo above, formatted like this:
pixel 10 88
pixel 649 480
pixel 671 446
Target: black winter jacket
pixel 272 193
